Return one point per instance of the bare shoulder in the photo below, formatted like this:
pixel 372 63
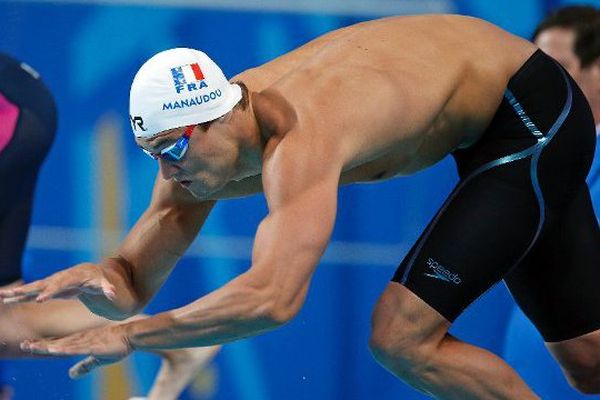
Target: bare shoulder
pixel 261 77
pixel 379 41
pixel 298 162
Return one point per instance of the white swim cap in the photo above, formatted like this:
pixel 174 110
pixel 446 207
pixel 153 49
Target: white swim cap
pixel 176 88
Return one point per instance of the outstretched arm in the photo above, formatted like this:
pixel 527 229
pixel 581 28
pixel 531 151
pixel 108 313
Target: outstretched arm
pixel 159 238
pixel 300 180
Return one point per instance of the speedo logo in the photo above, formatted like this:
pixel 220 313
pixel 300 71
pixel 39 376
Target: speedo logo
pixel 439 272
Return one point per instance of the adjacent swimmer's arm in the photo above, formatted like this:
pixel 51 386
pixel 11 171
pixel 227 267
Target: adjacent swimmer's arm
pixel 300 184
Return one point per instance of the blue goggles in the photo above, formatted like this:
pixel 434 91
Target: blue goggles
pixel 177 150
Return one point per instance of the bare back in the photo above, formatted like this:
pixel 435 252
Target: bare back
pixel 398 93
pixel 414 88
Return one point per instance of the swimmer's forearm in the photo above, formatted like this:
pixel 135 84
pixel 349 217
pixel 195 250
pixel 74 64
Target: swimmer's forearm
pixel 157 242
pixel 146 257
pixel 267 296
pixel 235 311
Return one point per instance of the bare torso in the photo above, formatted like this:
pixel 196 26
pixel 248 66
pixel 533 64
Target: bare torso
pixel 399 93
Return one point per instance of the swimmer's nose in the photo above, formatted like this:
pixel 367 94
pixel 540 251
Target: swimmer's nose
pixel 168 170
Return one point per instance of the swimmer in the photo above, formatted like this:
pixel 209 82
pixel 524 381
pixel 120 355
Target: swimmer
pixel 365 103
pixel 28 120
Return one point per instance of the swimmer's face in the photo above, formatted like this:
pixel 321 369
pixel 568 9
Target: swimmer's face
pixel 559 43
pixel 207 166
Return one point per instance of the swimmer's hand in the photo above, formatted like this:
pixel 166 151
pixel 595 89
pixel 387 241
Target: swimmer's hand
pixel 102 288
pixel 102 346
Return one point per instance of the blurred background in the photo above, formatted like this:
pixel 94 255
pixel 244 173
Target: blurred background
pixel 96 183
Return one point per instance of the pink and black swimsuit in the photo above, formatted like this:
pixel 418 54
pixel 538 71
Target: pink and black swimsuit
pixel 27 129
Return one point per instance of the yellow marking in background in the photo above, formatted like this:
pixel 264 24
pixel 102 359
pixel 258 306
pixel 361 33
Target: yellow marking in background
pixel 110 179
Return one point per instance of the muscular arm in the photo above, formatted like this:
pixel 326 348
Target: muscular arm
pixel 300 181
pixel 151 249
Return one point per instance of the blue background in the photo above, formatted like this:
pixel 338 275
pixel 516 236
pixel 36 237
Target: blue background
pixel 87 54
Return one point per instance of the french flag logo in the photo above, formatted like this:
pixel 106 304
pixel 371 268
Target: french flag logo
pixel 188 77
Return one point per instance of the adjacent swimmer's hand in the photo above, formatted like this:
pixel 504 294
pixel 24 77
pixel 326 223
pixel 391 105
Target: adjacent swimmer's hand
pixel 86 278
pixel 102 346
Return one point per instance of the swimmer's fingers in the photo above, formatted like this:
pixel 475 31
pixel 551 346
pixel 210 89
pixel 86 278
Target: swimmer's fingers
pixel 24 293
pixel 101 346
pixel 57 292
pixel 87 365
pixel 83 279
pixel 71 283
pixel 20 299
pixel 52 347
pixel 60 287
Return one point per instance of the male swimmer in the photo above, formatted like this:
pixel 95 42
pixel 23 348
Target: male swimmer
pixel 368 102
pixel 28 120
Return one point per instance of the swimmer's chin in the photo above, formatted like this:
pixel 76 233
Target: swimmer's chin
pixel 205 194
pixel 199 196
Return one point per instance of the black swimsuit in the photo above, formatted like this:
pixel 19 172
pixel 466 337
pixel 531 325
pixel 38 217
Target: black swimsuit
pixel 520 212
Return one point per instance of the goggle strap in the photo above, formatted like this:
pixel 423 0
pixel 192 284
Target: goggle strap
pixel 188 131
